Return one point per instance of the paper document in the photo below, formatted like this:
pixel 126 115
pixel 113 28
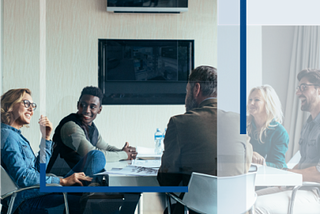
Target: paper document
pixel 132 170
pixel 147 153
pixel 146 163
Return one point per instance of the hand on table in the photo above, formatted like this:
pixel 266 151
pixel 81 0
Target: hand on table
pixel 131 151
pixel 45 127
pixel 76 177
pixel 257 158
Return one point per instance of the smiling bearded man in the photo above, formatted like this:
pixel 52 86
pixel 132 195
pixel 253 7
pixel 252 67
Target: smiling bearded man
pixel 307 199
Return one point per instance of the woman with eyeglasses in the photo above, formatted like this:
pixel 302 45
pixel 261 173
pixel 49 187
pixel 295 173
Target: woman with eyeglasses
pixel 269 138
pixel 23 166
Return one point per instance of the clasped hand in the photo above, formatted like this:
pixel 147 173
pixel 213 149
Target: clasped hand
pixel 257 158
pixel 45 127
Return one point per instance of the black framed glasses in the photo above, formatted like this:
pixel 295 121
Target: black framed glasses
pixel 304 86
pixel 27 104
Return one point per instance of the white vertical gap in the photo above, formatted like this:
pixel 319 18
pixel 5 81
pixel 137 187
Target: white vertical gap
pixel 229 68
pixel 254 56
pixel 1 43
pixel 42 84
pixel 42 66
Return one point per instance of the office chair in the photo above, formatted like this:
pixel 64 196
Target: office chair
pixel 9 188
pixel 295 190
pixel 292 162
pixel 211 194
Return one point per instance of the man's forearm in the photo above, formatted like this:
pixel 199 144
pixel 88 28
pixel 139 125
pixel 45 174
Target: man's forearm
pixel 309 174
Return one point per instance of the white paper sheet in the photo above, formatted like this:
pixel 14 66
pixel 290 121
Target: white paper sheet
pixel 132 170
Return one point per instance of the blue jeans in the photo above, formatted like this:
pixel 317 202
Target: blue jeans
pixel 94 162
pixel 91 164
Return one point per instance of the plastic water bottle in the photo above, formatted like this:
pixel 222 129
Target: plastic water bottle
pixel 163 136
pixel 158 136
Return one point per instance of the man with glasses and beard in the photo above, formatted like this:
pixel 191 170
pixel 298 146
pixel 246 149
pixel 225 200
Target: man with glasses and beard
pixel 276 200
pixel 191 139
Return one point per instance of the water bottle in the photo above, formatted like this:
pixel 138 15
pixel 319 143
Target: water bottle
pixel 158 136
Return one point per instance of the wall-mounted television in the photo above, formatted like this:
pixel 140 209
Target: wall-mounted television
pixel 147 6
pixel 144 71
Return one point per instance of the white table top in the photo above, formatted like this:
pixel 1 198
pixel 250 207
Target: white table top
pixel 266 176
pixel 269 176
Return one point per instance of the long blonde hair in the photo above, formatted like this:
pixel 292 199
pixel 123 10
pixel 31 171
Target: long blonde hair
pixel 272 107
pixel 8 100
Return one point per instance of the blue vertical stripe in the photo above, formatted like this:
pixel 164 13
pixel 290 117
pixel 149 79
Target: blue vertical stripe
pixel 243 65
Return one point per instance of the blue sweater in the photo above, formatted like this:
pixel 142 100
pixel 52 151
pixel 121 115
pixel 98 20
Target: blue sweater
pixel 274 146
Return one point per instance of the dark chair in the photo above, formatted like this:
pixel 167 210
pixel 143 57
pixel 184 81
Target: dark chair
pixel 9 188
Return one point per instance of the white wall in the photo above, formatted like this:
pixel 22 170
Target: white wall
pixel 254 57
pixel 277 47
pixel 73 28
pixel 268 58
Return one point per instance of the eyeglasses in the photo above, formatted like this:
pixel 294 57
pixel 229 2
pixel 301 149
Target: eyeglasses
pixel 303 87
pixel 27 104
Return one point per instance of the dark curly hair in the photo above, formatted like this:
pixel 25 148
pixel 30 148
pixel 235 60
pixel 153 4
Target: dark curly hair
pixel 92 90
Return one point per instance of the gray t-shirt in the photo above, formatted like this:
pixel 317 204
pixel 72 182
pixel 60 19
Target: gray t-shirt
pixel 310 144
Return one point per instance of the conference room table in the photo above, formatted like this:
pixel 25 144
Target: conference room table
pixel 266 176
pixel 269 176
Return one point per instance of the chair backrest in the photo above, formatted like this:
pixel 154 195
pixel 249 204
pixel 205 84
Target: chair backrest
pixel 211 194
pixel 7 185
pixel 202 193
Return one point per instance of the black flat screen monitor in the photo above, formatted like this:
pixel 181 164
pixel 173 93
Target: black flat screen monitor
pixel 147 3
pixel 147 6
pixel 144 71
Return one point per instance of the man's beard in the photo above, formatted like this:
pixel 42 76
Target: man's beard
pixel 307 105
pixel 191 103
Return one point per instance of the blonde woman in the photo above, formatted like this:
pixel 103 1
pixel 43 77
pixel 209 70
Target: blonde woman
pixel 269 138
pixel 23 166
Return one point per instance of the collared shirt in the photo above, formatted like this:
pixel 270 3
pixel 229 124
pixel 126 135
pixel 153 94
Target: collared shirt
pixel 310 144
pixel 19 161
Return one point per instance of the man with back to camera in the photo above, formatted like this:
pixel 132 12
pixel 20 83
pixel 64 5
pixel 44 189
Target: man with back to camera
pixel 191 138
pixel 76 135
pixel 306 200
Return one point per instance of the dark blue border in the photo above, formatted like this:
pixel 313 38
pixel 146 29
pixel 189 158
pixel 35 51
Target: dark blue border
pixel 270 12
pixel 44 188
pixel 261 12
pixel 243 79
